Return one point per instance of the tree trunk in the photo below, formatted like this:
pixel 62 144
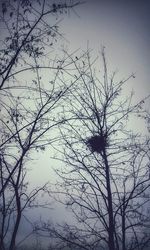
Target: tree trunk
pixel 123 226
pixel 13 238
pixel 2 244
pixel 111 229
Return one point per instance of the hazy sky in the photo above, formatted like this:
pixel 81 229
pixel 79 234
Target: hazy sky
pixel 122 26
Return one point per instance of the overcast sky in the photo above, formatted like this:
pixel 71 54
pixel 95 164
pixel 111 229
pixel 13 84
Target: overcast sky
pixel 123 27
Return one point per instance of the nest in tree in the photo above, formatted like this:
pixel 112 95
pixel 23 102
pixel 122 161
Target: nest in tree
pixel 97 143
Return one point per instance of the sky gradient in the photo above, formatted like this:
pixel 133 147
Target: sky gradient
pixel 122 27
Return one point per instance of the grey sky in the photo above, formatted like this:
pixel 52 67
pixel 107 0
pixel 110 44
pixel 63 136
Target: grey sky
pixel 123 27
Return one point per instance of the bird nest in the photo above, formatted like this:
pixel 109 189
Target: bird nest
pixel 97 143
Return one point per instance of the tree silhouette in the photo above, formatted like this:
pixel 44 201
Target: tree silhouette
pixel 105 175
pixel 30 95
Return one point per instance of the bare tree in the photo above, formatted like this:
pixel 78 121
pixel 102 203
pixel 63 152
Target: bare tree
pixel 106 172
pixel 31 93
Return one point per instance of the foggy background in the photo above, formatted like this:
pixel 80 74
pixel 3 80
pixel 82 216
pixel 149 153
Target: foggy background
pixel 123 28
